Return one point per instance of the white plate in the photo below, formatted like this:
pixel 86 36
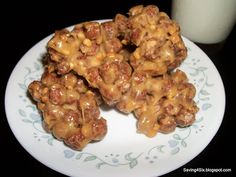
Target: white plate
pixel 123 152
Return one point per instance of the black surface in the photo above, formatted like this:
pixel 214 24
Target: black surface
pixel 23 25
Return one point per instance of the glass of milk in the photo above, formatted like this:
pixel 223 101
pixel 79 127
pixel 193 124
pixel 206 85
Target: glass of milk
pixel 205 21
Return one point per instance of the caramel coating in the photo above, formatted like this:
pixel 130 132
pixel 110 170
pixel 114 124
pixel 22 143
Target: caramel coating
pixel 131 61
pixel 93 51
pixel 159 47
pixel 160 104
pixel 160 98
pixel 70 110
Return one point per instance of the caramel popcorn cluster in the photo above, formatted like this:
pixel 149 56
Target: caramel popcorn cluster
pixel 129 63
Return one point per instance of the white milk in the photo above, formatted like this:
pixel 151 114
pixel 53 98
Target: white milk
pixel 205 21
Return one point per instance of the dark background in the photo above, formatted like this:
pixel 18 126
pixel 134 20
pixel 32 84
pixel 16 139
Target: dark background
pixel 24 24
